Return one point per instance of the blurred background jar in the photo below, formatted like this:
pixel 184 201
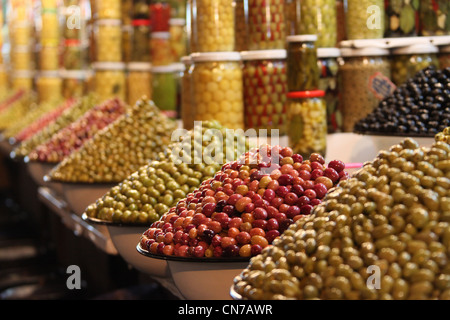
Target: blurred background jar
pixel 141 41
pixel 444 57
pixel 187 107
pixel 49 57
pixel 74 83
pixel 328 62
pixel 178 38
pixel 108 40
pixel 127 42
pixel 240 26
pixel 177 9
pixel 140 10
pixel 74 55
pixel 364 80
pixel 22 58
pixel 22 79
pixel 319 17
pixel 213 25
pixel 407 61
pixel 49 86
pixel 160 16
pixel 434 17
pixel 307 122
pixel 139 81
pixel 109 80
pixel 292 14
pixel 401 18
pixel 108 9
pixel 165 88
pixel 160 49
pixel 49 33
pixel 265 88
pixel 217 88
pixel 365 19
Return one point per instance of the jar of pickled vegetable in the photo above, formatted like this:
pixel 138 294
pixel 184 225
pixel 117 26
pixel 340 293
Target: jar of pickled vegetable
pixel 108 9
pixel 364 80
pixel 266 24
pixel 49 58
pixel 164 88
pixel 178 38
pixel 213 25
pixel 292 13
pixel 50 27
pixel 187 111
pixel 141 41
pixel 109 80
pixel 434 17
pixel 319 17
pixel 217 88
pixel 444 57
pixel 177 8
pixel 307 122
pixel 240 26
pixel 407 61
pixel 365 19
pixel 139 81
pixel 141 9
pixel 302 69
pixel 22 58
pixel 401 18
pixel 22 79
pixel 74 56
pixel 73 83
pixel 328 82
pixel 265 88
pixel 109 40
pixel 160 16
pixel 49 86
pixel 160 48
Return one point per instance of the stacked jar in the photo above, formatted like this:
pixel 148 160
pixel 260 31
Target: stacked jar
pixel 165 88
pixel 160 45
pixel 407 61
pixel 74 83
pixel 401 18
pixel 365 19
pixel 178 38
pixel 49 86
pixel 139 81
pixel 434 18
pixel 109 80
pixel 306 110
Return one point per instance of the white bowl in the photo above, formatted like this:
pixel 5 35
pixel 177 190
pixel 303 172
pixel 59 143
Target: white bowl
pixel 80 195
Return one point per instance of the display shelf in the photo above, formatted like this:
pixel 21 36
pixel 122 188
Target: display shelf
pixel 389 43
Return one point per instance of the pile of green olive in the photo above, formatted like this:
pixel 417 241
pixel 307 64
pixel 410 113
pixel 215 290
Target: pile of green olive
pixel 149 192
pixel 383 234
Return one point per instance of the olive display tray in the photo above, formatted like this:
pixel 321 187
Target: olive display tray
pixel 86 218
pixel 394 134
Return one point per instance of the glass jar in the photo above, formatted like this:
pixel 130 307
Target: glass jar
pixel 265 88
pixel 307 122
pixel 302 69
pixel 73 83
pixel 266 25
pixel 127 12
pixel 177 8
pixel 109 80
pixel 434 17
pixel 160 16
pixel 160 48
pixel 127 46
pixel 401 18
pixel 328 82
pixel 141 9
pixel 364 80
pixel 50 27
pixel 164 88
pixel 217 88
pixel 319 17
pixel 407 61
pixel 444 57
pixel 22 79
pixel 47 4
pixel 49 86
pixel 109 40
pixel 49 58
pixel 20 34
pixel 141 41
pixel 108 9
pixel 22 58
pixel 74 56
pixel 187 111
pixel 178 38
pixel 365 19
pixel 240 26
pixel 292 13
pixel 213 25
pixel 139 81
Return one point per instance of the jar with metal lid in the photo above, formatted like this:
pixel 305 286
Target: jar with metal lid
pixel 108 9
pixel 49 58
pixel 401 18
pixel 165 88
pixel 407 61
pixel 160 49
pixel 364 80
pixel 240 26
pixel 178 38
pixel 213 25
pixel 328 61
pixel 22 58
pixel 22 79
pixel 187 108
pixel 444 57
pixel 292 13
pixel 141 41
pixel 74 83
pixel 108 40
pixel 265 88
pixel 307 122
pixel 266 24
pixel 160 16
pixel 140 9
pixel 139 81
pixel 319 17
pixel 109 80
pixel 49 86
pixel 74 56
pixel 302 69
pixel 434 18
pixel 365 19
pixel 217 88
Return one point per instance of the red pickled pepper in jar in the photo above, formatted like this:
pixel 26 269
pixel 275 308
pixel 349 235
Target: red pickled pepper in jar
pixel 160 16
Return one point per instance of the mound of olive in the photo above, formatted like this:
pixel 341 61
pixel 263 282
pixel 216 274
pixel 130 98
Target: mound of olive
pixel 119 149
pixel 149 192
pixel 419 107
pixel 382 234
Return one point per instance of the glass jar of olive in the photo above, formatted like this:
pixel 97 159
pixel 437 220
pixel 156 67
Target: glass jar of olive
pixel 364 80
pixel 109 80
pixel 240 26
pixel 108 40
pixel 302 69
pixel 365 19
pixel 164 88
pixel 187 111
pixel 307 122
pixel 444 57
pixel 139 81
pixel 141 41
pixel 141 9
pixel 108 9
pixel 178 38
pixel 401 17
pixel 407 61
pixel 434 17
pixel 74 55
pixel 265 88
pixel 74 83
pixel 49 86
pixel 160 49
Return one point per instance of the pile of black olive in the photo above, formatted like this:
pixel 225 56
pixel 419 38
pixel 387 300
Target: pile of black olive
pixel 419 107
